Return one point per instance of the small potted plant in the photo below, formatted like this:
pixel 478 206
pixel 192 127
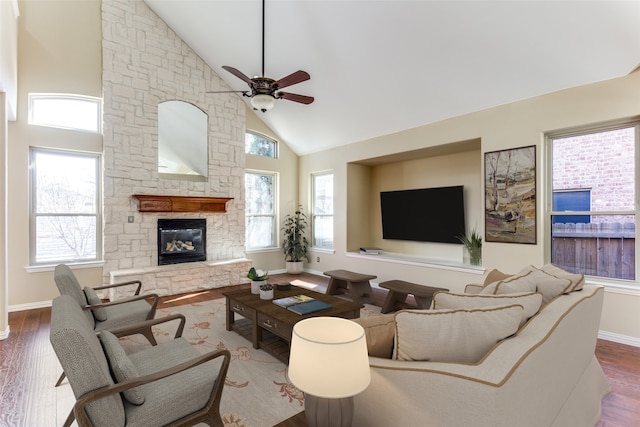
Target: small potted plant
pixel 473 247
pixel 258 278
pixel 295 244
pixel 266 291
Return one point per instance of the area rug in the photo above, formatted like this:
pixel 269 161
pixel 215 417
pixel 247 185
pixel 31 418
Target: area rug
pixel 257 391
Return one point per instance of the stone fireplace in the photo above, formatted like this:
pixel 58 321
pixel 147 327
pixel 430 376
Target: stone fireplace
pixel 146 63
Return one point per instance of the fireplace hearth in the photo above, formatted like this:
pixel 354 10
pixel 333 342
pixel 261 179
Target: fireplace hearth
pixel 182 240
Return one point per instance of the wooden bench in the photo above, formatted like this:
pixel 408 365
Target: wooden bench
pixel 354 284
pixel 398 291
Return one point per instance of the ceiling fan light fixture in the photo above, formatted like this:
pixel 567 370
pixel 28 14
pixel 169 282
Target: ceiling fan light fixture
pixel 263 102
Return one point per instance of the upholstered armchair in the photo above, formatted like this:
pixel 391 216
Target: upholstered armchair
pixel 170 383
pixel 108 315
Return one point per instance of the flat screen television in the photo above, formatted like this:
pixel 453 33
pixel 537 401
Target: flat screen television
pixel 424 215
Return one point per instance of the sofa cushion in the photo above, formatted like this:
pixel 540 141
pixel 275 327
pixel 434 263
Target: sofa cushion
pixel 121 366
pixel 521 282
pixel 379 332
pixel 530 301
pixel 495 275
pixel 550 285
pixel 459 335
pixel 576 279
pixel 531 279
pixel 99 314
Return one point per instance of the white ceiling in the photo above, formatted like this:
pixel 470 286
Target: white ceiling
pixel 379 67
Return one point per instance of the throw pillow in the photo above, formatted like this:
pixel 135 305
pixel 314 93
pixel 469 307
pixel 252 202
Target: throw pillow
pixel 379 331
pixel 548 284
pixel 462 336
pixel 495 275
pixel 100 314
pixel 530 301
pixel 522 282
pixel 121 366
pixel 575 278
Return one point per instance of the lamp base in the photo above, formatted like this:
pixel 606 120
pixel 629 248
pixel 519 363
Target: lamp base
pixel 325 412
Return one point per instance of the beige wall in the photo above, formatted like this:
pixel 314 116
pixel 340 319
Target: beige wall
pixel 58 51
pixel 286 166
pixel 513 125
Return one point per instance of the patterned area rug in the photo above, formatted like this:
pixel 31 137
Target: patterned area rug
pixel 257 392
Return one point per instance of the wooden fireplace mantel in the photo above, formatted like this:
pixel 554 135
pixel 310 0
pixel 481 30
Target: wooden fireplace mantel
pixel 151 203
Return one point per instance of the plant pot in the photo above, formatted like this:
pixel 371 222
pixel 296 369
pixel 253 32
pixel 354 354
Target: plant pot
pixel 266 294
pixel 473 256
pixel 255 286
pixel 295 267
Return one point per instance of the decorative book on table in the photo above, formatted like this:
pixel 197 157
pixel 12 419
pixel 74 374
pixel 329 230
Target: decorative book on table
pixel 296 299
pixel 301 304
pixel 309 307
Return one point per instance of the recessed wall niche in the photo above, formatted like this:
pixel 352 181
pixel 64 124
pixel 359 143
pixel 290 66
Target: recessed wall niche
pixel 453 164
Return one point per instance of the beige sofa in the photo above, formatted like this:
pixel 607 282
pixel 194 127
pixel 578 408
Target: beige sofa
pixel 544 375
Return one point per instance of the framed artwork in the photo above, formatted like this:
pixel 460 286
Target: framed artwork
pixel 510 195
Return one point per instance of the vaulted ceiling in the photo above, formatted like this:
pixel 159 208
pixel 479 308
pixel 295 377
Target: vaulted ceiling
pixel 379 67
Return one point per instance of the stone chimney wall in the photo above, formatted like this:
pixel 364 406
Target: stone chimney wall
pixel 145 63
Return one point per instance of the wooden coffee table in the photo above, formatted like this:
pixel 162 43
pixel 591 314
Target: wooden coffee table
pixel 262 316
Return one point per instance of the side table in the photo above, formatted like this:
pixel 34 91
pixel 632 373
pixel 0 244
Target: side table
pixel 398 291
pixel 355 284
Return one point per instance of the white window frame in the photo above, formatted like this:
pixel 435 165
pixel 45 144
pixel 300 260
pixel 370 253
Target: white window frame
pixel 80 101
pixel 276 146
pixel 273 215
pixel 33 215
pixel 627 285
pixel 315 215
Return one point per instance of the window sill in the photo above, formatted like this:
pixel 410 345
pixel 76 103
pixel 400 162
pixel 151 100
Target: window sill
pixel 72 265
pixel 321 250
pixel 263 250
pixel 632 288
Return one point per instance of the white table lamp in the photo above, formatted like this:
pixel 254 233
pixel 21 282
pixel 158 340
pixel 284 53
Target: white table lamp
pixel 329 363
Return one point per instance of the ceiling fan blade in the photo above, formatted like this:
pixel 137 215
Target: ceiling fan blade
pixel 291 79
pixel 238 74
pixel 243 92
pixel 303 99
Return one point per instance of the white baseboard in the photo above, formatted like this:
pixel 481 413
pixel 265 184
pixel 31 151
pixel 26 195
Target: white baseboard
pixel 621 339
pixel 29 306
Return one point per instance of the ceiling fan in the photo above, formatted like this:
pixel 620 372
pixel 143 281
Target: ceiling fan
pixel 264 90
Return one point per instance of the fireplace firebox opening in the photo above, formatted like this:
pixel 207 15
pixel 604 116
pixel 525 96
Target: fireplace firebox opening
pixel 182 240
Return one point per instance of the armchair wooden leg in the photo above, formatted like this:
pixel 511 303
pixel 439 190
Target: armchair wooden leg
pixel 70 419
pixel 148 334
pixel 62 377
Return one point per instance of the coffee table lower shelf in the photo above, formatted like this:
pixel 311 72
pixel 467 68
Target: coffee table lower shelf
pixel 271 343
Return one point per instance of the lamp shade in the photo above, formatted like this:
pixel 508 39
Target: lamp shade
pixel 329 357
pixel 263 102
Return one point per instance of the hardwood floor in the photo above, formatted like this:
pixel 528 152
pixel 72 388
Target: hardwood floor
pixel 28 364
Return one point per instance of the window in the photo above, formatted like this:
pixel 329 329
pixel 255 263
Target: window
pixel 65 207
pixel 65 111
pixel 593 208
pixel 572 201
pixel 260 193
pixel 260 145
pixel 322 216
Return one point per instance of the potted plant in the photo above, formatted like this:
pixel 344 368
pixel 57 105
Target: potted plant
pixel 295 241
pixel 473 247
pixel 258 278
pixel 266 291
